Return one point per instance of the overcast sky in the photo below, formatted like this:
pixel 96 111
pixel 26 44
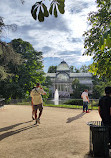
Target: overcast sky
pixel 58 38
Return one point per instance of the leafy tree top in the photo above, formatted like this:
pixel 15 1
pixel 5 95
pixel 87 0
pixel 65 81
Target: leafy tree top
pixel 98 39
pixel 52 69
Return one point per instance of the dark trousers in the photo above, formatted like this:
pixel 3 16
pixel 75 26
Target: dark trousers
pixel 85 105
pixel 36 107
pixel 109 131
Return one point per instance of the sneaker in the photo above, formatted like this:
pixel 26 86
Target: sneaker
pixel 87 111
pixel 35 122
pixel 38 120
pixel 83 111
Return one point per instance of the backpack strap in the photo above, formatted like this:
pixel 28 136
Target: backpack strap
pixel 37 91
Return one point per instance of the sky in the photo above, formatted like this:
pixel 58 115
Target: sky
pixel 58 38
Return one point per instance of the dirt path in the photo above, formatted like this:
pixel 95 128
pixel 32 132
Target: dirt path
pixel 63 133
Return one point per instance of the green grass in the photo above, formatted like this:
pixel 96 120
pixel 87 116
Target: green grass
pixel 62 106
pixel 71 106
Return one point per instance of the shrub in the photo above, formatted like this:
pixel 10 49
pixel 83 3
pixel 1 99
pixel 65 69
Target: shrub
pixel 74 102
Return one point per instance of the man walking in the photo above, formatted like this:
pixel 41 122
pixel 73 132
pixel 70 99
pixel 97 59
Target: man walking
pixel 37 101
pixel 85 98
pixel 104 109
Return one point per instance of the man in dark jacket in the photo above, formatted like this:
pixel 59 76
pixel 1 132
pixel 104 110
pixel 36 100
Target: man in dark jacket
pixel 104 109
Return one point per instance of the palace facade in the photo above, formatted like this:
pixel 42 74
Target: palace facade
pixel 63 78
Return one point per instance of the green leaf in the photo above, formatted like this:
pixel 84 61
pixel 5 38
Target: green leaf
pixel 60 1
pixel 50 10
pixel 61 9
pixel 40 15
pixel 61 6
pixel 55 11
pixel 34 11
pixel 46 13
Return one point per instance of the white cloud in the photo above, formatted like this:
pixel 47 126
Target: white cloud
pixel 58 38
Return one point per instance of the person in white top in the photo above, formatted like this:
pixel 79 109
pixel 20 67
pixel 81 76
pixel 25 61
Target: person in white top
pixel 85 98
pixel 37 101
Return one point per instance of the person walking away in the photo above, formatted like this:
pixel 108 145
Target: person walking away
pixel 85 98
pixel 104 108
pixel 37 101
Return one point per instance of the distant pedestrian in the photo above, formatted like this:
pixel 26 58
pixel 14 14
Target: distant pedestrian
pixel 104 108
pixel 37 101
pixel 85 98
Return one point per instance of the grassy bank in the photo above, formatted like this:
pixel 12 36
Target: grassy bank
pixel 61 106
pixel 72 106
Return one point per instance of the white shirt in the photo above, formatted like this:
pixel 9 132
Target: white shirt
pixel 36 96
pixel 84 96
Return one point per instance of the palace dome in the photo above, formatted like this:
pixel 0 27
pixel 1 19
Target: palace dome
pixel 63 66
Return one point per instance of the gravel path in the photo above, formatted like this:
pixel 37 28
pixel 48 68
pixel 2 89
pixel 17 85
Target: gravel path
pixel 63 133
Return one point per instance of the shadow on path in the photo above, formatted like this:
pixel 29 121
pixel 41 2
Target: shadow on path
pixel 70 119
pixel 88 155
pixel 10 133
pixel 12 126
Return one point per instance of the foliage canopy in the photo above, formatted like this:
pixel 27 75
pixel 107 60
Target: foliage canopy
pixel 25 75
pixel 98 39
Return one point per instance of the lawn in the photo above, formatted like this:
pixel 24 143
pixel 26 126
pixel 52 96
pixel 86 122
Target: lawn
pixel 62 106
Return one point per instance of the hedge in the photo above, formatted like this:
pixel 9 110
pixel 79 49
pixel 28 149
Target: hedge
pixel 74 102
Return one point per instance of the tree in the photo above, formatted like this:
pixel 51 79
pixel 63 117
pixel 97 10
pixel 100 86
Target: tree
pixel 48 82
pixel 26 75
pixel 99 85
pixel 52 69
pixel 84 69
pixel 77 89
pixel 76 70
pixel 7 56
pixel 98 39
pixel 31 71
pixel 71 69
pixel 12 27
pixel 1 24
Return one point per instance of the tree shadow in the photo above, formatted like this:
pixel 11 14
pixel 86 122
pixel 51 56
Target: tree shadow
pixel 12 126
pixel 70 119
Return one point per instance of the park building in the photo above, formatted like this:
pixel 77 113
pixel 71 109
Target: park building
pixel 63 78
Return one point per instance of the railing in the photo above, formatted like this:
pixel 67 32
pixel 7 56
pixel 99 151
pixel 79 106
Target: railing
pixel 15 101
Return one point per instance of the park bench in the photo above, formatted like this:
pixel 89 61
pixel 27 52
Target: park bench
pixel 99 139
